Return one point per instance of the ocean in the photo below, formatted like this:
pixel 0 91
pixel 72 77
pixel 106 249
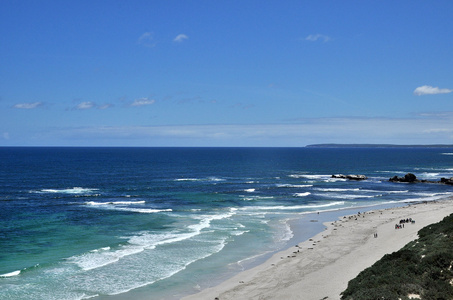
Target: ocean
pixel 159 223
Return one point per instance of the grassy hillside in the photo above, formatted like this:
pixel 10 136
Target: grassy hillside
pixel 421 269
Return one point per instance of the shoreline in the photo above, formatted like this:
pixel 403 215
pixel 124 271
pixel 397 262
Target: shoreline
pixel 339 253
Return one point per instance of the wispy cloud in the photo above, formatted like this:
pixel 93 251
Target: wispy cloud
pixel 28 105
pixel 85 105
pixel 142 102
pixel 147 40
pixel 444 114
pixel 180 38
pixel 105 106
pixel 430 90
pixel 438 130
pixel 91 105
pixel 317 37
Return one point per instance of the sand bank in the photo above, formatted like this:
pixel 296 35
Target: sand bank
pixel 321 267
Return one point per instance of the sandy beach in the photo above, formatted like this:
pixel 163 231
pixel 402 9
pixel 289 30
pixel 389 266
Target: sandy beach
pixel 321 267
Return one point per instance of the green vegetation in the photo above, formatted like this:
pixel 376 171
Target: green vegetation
pixel 422 267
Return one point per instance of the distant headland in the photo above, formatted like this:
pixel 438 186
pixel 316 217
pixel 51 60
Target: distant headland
pixel 376 146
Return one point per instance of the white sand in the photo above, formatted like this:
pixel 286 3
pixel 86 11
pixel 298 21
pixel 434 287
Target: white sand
pixel 324 264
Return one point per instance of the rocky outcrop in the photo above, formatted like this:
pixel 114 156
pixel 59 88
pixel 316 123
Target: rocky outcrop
pixel 447 180
pixel 350 177
pixel 411 178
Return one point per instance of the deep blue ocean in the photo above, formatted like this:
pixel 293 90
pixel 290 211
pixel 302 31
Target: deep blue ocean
pixel 79 223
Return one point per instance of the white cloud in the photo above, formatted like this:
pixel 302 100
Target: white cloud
pixel 142 102
pixel 145 36
pixel 147 40
pixel 430 90
pixel 27 105
pixel 317 37
pixel 85 105
pixel 180 37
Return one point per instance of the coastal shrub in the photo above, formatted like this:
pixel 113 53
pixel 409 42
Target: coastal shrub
pixel 437 290
pixel 422 267
pixel 380 293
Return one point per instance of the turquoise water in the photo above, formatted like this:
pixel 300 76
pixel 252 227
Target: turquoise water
pixel 80 223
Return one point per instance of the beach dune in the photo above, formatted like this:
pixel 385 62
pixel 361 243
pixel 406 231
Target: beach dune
pixel 321 267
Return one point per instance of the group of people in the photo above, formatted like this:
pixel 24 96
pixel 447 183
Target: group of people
pixel 402 222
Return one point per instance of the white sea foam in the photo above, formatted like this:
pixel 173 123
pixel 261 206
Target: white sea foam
pixel 166 272
pixel 294 185
pixel 294 207
pixel 302 194
pixel 383 191
pixel 99 258
pixel 187 179
pixel 237 233
pixel 149 240
pixel 249 190
pixel 336 189
pixel 84 296
pixel 428 197
pixel 143 210
pixel 334 179
pixel 102 249
pixel 206 220
pixel 447 153
pixel 136 244
pixel 397 192
pixel 288 233
pixel 429 175
pixel 346 196
pixel 11 274
pixel 308 176
pixel 433 194
pixel 115 202
pixel 256 198
pixel 359 190
pixel 120 205
pixel 74 190
pixel 212 178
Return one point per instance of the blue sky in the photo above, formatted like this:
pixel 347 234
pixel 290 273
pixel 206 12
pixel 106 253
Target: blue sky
pixel 225 73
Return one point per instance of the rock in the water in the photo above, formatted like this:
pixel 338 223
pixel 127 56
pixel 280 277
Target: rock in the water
pixel 350 177
pixel 447 180
pixel 409 177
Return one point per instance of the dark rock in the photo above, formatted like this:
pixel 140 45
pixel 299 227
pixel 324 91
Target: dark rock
pixel 409 177
pixel 447 180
